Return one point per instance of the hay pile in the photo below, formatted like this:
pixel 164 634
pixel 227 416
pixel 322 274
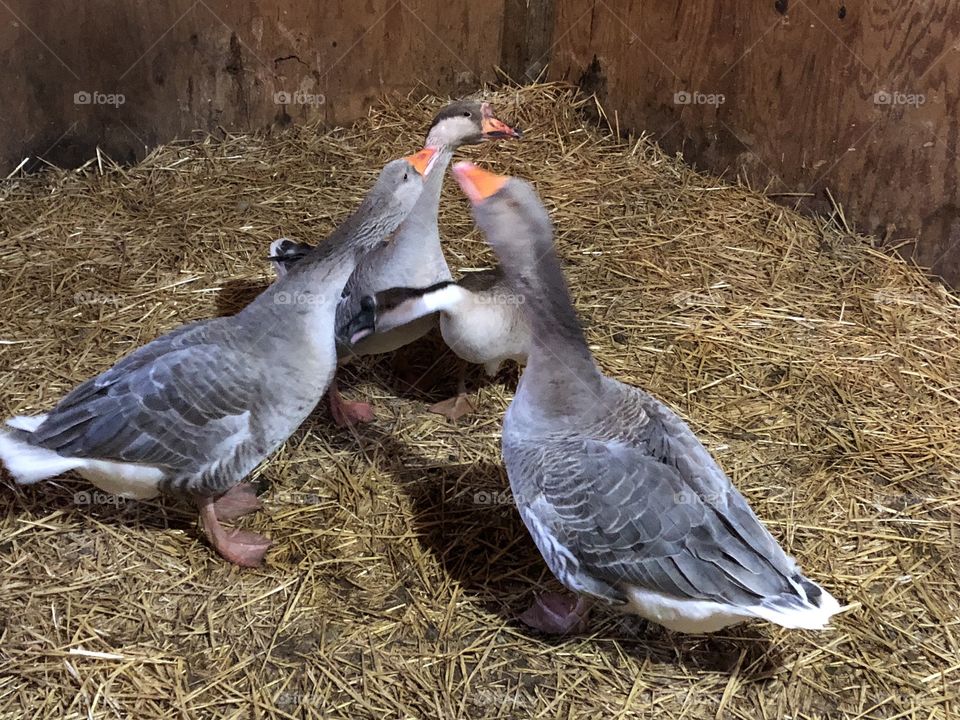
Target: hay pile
pixel 820 371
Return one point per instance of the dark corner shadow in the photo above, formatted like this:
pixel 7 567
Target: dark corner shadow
pixel 464 515
pixel 235 295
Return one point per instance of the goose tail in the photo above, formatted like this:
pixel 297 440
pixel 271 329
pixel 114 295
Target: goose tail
pixel 28 463
pixel 808 607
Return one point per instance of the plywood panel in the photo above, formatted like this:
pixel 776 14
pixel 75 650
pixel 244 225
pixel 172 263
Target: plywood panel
pixel 187 64
pixel 860 98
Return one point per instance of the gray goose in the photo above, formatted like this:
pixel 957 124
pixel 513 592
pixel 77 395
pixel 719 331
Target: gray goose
pixel 480 321
pixel 414 258
pixel 624 503
pixel 196 410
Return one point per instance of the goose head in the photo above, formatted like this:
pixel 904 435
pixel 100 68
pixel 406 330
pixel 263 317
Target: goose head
pixel 388 309
pixel 468 122
pixel 398 187
pixel 361 325
pixel 511 215
pixel 401 181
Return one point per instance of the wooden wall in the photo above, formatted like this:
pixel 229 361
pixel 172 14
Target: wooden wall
pixel 858 97
pixel 187 64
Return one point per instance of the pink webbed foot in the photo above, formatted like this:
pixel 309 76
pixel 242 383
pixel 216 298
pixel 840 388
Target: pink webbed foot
pixel 347 413
pixel 241 547
pixel 238 501
pixel 558 614
pixel 454 408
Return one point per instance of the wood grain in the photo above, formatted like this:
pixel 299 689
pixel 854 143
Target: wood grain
pixel 527 38
pixel 804 109
pixel 183 65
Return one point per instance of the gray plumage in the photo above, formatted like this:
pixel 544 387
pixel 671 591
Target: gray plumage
pixel 621 498
pixel 204 404
pixel 414 258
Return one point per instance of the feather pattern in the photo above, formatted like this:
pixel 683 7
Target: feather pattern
pixel 623 501
pixel 636 499
pixel 198 408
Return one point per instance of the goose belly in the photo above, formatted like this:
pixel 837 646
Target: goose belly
pixel 129 480
pixel 683 615
pixel 482 335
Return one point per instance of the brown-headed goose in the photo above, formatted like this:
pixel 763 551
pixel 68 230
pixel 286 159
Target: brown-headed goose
pixel 622 500
pixel 480 320
pixel 414 258
pixel 197 409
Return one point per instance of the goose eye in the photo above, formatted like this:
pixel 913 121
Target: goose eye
pixel 467 113
pixel 406 176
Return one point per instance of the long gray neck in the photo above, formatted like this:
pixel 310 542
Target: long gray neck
pixel 420 225
pixel 561 375
pixel 312 287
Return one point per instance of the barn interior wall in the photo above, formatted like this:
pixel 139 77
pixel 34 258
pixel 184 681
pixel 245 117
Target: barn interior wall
pixel 796 97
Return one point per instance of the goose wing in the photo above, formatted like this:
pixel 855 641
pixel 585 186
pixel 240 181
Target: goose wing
pixel 173 403
pixel 613 514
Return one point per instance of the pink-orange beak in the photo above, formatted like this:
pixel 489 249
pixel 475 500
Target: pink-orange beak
pixel 422 161
pixel 494 128
pixel 478 184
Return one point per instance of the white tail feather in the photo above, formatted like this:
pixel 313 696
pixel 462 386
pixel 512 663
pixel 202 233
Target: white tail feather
pixel 705 616
pixel 413 309
pixel 28 463
pixel 808 616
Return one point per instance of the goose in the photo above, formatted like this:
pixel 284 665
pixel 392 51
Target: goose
pixel 623 501
pixel 480 321
pixel 414 258
pixel 196 410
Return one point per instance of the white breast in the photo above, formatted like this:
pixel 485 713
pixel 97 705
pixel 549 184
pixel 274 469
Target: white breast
pixel 484 334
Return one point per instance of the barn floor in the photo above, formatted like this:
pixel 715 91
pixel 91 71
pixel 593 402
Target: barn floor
pixel 821 371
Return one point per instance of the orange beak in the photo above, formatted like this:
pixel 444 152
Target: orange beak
pixel 422 161
pixel 495 129
pixel 478 184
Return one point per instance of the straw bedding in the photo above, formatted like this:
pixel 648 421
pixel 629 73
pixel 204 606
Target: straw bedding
pixel 821 371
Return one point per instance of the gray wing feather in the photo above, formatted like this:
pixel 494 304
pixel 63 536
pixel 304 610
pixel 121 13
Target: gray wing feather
pixel 629 517
pixel 170 403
